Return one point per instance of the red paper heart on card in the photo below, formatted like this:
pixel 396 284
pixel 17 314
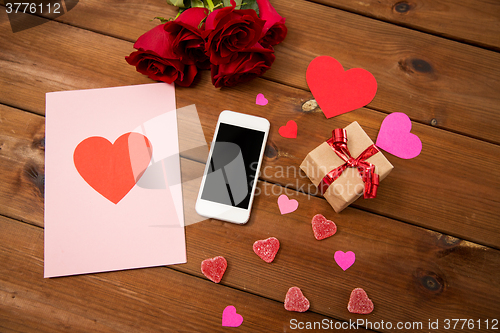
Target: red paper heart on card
pixel 337 91
pixel 359 302
pixel 266 249
pixel 296 301
pixel 112 169
pixel 289 130
pixel 214 268
pixel 322 227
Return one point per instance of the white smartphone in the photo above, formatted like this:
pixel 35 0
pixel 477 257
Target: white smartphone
pixel 228 185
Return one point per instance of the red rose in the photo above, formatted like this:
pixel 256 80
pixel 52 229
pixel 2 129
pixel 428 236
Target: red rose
pixel 274 31
pixel 246 66
pixel 156 59
pixel 187 41
pixel 229 31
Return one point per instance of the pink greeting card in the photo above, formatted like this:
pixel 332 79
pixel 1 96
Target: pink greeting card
pixel 113 197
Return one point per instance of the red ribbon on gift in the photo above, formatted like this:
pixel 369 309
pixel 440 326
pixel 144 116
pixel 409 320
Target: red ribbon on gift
pixel 338 142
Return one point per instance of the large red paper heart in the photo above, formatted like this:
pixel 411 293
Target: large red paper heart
pixel 113 169
pixel 337 91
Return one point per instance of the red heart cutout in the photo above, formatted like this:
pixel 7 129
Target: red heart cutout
pixel 266 249
pixel 296 301
pixel 322 227
pixel 214 268
pixel 337 91
pixel 113 169
pixel 359 302
pixel 289 130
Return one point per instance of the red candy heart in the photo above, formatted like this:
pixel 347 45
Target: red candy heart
pixel 296 301
pixel 359 302
pixel 214 268
pixel 266 249
pixel 322 227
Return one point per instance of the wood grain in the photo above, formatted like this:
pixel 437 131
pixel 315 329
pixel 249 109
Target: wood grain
pixel 435 81
pixel 426 77
pixel 413 181
pixel 22 145
pixel 432 274
pixel 452 19
pixel 146 300
pixel 427 248
pixel 440 189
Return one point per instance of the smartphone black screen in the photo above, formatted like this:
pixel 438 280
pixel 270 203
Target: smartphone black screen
pixel 233 166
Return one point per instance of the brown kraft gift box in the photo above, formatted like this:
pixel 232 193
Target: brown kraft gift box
pixel 349 186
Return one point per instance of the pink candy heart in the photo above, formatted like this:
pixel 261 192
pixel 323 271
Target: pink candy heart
pixel 395 138
pixel 296 301
pixel 287 205
pixel 359 302
pixel 345 260
pixel 230 318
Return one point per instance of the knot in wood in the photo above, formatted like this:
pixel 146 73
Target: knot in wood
pixel 429 281
pixel 402 7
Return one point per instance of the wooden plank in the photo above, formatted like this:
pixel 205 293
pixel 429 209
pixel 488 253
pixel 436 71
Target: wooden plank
pixel 146 300
pixel 22 145
pixel 435 81
pixel 48 58
pixel 431 263
pixel 411 274
pixel 461 17
pixel 445 188
pixel 452 19
pixel 429 191
pixel 396 264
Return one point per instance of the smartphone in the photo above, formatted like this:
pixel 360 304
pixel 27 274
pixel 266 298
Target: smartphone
pixel 232 170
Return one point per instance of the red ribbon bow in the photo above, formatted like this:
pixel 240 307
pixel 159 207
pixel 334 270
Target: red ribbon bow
pixel 338 142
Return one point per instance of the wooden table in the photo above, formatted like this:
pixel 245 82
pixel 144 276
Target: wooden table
pixel 427 248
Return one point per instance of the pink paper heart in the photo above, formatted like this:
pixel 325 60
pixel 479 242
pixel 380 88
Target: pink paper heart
pixel 337 91
pixel 230 318
pixel 395 138
pixel 289 130
pixel 345 260
pixel 261 100
pixel 287 205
